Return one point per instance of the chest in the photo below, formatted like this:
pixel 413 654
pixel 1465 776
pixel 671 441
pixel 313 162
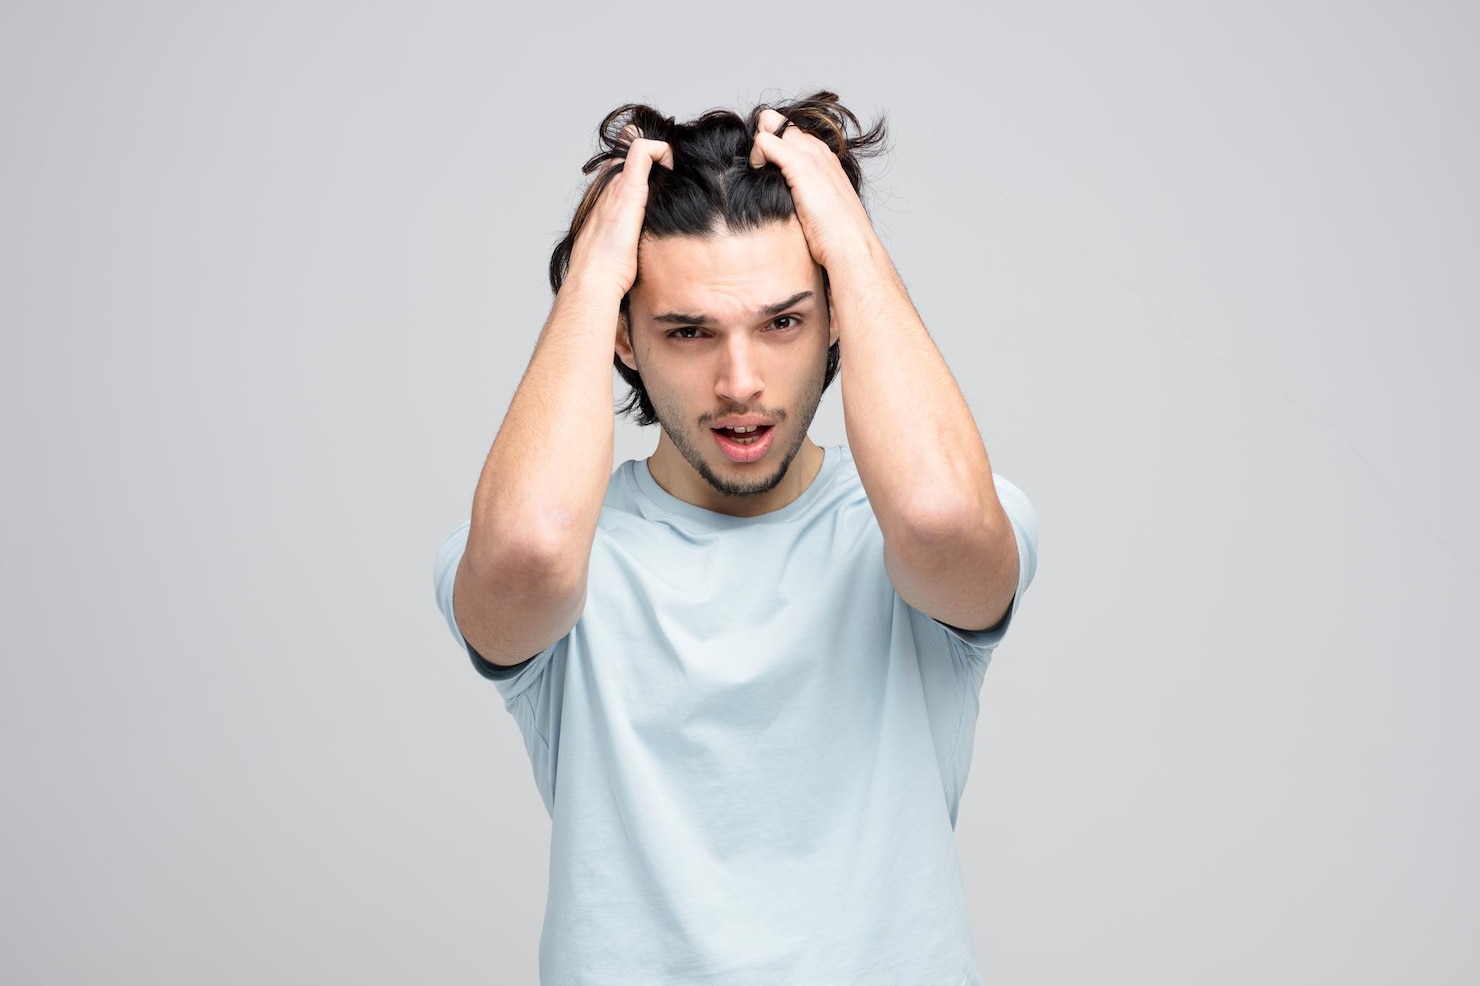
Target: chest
pixel 760 632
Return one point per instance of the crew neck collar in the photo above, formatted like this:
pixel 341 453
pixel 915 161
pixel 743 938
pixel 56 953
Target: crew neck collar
pixel 666 503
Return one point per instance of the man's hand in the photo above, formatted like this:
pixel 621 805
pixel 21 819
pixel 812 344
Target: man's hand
pixel 606 246
pixel 833 218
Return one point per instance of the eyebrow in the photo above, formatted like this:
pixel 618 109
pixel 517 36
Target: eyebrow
pixel 679 318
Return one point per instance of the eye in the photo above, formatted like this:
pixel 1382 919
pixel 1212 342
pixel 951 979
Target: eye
pixel 785 322
pixel 686 332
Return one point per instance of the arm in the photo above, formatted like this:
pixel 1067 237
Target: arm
pixel 521 583
pixel 948 545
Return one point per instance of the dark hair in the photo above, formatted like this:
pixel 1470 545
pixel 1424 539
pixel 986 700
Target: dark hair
pixel 712 186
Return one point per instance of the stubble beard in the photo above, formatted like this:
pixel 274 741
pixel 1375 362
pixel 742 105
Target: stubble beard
pixel 683 440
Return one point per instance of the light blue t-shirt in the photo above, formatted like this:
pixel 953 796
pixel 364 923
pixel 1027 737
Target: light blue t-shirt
pixel 751 749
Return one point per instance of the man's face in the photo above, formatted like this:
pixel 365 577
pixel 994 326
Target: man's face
pixel 730 333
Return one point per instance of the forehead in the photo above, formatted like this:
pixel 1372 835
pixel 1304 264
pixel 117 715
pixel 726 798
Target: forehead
pixel 723 274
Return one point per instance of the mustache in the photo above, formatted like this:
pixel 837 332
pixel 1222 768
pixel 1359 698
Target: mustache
pixel 739 410
pixel 777 415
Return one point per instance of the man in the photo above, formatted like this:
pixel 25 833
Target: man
pixel 747 669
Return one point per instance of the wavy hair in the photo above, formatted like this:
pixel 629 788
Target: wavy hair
pixel 712 187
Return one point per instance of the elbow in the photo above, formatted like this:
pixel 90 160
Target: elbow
pixel 527 563
pixel 936 522
pixel 937 530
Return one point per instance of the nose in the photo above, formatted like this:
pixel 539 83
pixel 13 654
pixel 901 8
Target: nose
pixel 739 380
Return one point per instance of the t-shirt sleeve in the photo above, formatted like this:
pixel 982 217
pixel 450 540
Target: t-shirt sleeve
pixel 1024 521
pixel 444 574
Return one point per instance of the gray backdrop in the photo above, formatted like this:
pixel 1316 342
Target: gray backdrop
pixel 269 274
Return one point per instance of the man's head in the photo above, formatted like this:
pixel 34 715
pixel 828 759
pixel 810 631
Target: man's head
pixel 706 340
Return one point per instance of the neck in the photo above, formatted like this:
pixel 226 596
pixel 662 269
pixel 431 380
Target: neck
pixel 677 477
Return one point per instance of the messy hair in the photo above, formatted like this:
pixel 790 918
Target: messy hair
pixel 712 187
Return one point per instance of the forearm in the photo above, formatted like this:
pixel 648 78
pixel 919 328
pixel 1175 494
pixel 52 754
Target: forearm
pixel 540 492
pixel 948 544
pixel 917 447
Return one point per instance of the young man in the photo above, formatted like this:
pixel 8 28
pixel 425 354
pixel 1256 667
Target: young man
pixel 747 669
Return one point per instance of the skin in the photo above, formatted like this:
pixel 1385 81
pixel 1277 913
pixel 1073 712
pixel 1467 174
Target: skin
pixel 713 338
pixel 948 546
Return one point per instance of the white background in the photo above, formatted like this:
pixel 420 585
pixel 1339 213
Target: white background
pixel 1207 273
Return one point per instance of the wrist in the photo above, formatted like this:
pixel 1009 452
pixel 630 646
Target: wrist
pixel 861 256
pixel 589 289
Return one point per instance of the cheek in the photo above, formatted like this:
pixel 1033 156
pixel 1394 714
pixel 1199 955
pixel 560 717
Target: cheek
pixel 668 380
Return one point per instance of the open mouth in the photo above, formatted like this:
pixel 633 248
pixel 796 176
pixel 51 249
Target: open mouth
pixel 744 443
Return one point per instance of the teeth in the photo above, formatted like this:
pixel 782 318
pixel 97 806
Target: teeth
pixel 741 429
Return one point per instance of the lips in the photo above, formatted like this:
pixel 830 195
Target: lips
pixel 742 442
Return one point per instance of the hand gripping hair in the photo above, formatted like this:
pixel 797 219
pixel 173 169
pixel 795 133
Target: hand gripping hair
pixel 711 186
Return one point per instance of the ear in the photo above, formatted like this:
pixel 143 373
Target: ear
pixel 623 342
pixel 832 323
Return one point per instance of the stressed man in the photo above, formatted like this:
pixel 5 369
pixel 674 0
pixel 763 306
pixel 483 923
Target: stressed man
pixel 746 669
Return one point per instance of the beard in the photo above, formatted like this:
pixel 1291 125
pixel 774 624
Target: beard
pixel 689 440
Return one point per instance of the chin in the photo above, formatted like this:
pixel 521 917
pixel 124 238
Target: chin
pixel 734 479
pixel 744 485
